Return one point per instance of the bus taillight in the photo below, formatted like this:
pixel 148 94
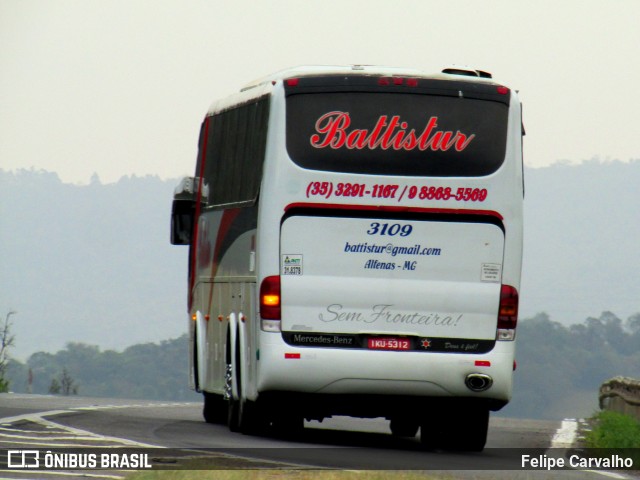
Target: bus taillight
pixel 270 300
pixel 507 313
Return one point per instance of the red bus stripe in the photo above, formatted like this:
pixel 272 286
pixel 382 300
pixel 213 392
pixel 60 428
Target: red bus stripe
pixel 194 240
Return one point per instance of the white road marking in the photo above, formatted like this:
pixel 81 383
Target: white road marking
pixel 565 437
pixel 609 474
pixel 566 434
pixel 44 436
pixel 59 435
pixel 28 416
pixel 73 432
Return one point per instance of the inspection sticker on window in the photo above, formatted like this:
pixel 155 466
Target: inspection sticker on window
pixel 291 265
pixel 491 272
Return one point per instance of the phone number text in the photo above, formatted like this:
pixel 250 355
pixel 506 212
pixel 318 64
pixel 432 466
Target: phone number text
pixel 398 192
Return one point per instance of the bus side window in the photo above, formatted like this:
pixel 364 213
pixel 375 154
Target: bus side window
pixel 235 153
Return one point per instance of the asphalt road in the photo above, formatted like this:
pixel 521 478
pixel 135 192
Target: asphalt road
pixel 34 421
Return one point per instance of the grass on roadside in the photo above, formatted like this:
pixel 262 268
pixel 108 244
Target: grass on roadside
pixel 613 430
pixel 281 475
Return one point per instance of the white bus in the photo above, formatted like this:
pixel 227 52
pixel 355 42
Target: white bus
pixel 355 238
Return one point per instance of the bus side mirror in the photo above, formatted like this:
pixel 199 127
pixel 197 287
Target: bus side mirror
pixel 182 215
pixel 183 211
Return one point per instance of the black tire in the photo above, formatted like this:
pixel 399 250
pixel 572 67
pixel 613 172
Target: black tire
pixel 287 424
pixel 474 439
pixel 403 427
pixel 196 373
pixel 215 408
pixel 252 420
pixel 243 415
pixel 432 431
pixel 233 415
pixel 465 429
pixel 233 405
pixel 234 410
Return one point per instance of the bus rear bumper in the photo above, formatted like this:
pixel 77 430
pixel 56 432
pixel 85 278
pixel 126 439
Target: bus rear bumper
pixel 329 372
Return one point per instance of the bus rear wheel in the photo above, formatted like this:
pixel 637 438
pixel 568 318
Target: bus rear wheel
pixel 463 429
pixel 215 408
pixel 287 424
pixel 403 427
pixel 233 404
pixel 243 415
pixel 251 418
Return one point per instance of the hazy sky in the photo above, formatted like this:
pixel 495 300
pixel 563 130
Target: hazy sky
pixel 120 87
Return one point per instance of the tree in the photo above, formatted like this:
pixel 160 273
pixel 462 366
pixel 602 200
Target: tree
pixel 64 384
pixel 68 384
pixel 54 388
pixel 6 342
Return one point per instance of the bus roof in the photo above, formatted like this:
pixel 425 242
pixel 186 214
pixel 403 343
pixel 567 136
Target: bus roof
pixel 264 85
pixel 370 70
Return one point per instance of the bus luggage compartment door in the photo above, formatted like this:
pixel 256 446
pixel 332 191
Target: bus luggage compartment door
pixel 373 278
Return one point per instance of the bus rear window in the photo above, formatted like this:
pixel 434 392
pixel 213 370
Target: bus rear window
pixel 402 134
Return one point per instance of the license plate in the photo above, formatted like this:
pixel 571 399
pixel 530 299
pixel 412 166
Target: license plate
pixel 386 343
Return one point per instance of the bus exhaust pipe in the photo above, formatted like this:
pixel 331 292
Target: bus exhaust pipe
pixel 478 382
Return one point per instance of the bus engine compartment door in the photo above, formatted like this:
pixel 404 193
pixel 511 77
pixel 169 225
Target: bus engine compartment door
pixel 391 277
